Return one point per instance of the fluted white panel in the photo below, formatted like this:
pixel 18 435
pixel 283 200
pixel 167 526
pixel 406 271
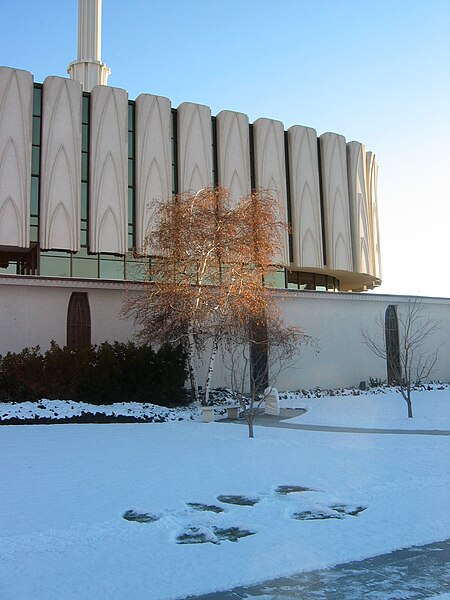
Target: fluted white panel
pixel 372 193
pixel 60 164
pixel 16 109
pixel 233 153
pixel 153 160
pixel 108 175
pixel 336 204
pixel 194 147
pixel 270 170
pixel 305 197
pixel 360 217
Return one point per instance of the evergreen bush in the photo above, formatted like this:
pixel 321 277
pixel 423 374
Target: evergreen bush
pixel 104 374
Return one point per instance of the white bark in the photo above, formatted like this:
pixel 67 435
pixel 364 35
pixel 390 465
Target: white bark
pixel 191 362
pixel 212 360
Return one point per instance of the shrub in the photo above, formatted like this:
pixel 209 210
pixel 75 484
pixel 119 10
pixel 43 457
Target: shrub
pixel 21 375
pixel 104 374
pixel 375 382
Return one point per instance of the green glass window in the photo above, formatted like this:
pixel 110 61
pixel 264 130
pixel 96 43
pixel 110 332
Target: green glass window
pixel 84 166
pixel 11 269
pixel 85 114
pixel 36 135
pixel 85 267
pixel 135 269
pixel 35 160
pixel 112 268
pixel 85 138
pixel 130 171
pixel 34 233
pixel 34 200
pixel 84 201
pixel 130 117
pixel 276 280
pixel 55 266
pixel 130 144
pixel 37 95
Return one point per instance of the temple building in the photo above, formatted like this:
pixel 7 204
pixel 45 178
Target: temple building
pixel 82 166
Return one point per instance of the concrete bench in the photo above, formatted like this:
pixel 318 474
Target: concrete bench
pixel 207 412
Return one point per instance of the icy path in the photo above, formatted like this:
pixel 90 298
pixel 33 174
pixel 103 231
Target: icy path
pixel 415 573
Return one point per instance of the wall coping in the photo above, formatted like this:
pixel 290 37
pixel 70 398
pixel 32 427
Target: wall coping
pixel 113 284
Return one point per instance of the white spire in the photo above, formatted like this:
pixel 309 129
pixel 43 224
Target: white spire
pixel 88 68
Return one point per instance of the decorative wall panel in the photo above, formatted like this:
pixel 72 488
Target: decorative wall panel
pixel 336 204
pixel 60 164
pixel 372 194
pixel 16 109
pixel 108 174
pixel 233 153
pixel 153 160
pixel 270 169
pixel 305 197
pixel 194 147
pixel 360 216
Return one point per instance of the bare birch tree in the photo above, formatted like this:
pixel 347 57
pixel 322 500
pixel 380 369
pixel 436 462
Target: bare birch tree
pixel 208 260
pixel 403 347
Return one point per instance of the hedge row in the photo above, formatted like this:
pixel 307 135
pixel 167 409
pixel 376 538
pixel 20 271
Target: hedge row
pixel 102 374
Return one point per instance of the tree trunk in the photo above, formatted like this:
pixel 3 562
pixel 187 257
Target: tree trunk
pixel 406 393
pixel 191 366
pixel 212 360
pixel 250 425
pixel 409 403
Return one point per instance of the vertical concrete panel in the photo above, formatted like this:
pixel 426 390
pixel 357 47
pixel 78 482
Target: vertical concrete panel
pixel 194 147
pixel 360 218
pixel 61 164
pixel 108 173
pixel 372 194
pixel 233 153
pixel 305 197
pixel 336 203
pixel 16 110
pixel 270 170
pixel 153 160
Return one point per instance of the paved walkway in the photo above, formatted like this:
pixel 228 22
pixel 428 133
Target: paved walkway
pixel 289 413
pixel 415 573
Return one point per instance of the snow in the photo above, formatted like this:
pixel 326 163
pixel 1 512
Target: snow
pixel 65 488
pixel 385 409
pixel 66 409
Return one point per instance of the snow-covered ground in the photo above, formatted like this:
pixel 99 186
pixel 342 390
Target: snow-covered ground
pixel 383 408
pixel 67 409
pixel 64 490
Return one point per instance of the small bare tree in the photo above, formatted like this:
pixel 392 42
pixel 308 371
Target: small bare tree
pixel 256 353
pixel 401 342
pixel 209 258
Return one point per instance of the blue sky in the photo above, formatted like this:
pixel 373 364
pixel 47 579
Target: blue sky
pixel 376 72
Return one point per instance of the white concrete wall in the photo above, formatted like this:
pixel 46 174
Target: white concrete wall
pixel 305 197
pixel 360 209
pixel 34 312
pixel 337 320
pixel 194 147
pixel 233 153
pixel 16 108
pixel 153 160
pixel 59 224
pixel 372 198
pixel 270 170
pixel 336 203
pixel 108 171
